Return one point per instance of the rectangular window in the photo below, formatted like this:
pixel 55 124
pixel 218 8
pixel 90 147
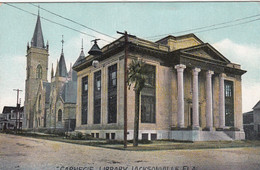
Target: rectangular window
pixel 107 135
pixel 153 136
pixel 148 97
pixel 92 135
pixel 97 135
pixel 97 97
pixel 113 136
pixel 229 103
pixel 84 98
pixel 112 94
pixel 144 136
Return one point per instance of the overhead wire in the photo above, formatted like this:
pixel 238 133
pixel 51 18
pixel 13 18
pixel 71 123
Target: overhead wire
pixel 75 22
pixel 54 22
pixel 209 26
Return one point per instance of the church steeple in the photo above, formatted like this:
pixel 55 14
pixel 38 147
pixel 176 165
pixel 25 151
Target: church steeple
pixel 52 72
pixel 81 56
pixel 61 65
pixel 37 39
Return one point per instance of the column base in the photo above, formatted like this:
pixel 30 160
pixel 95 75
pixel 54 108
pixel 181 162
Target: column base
pixel 195 128
pixel 208 129
pixel 180 126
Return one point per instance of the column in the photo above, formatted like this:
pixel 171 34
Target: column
pixel 209 120
pixel 195 99
pixel 221 101
pixel 180 114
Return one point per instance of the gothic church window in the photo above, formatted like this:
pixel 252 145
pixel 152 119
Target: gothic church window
pixel 59 115
pixel 39 104
pixel 97 97
pixel 39 72
pixel 229 103
pixel 84 99
pixel 148 97
pixel 112 94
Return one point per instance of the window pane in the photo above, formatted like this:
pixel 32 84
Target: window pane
pixel 97 97
pixel 229 103
pixel 84 99
pixel 112 94
pixel 148 97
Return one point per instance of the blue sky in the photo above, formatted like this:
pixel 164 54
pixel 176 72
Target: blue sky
pixel 240 44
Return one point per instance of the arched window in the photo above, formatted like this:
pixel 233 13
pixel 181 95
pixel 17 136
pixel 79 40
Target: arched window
pixel 39 72
pixel 59 115
pixel 39 104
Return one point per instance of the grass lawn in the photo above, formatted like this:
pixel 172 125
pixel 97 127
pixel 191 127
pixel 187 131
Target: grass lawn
pixel 147 145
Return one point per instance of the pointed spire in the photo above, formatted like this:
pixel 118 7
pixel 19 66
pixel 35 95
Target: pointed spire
pixel 62 42
pixel 62 65
pixel 81 56
pixel 37 39
pixel 57 69
pixel 47 45
pixel 52 72
pixel 82 45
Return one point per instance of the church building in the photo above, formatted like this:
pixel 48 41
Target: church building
pixel 194 92
pixel 49 105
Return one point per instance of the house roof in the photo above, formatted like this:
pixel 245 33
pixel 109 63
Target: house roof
pixel 37 39
pixel 257 106
pixel 248 113
pixel 8 109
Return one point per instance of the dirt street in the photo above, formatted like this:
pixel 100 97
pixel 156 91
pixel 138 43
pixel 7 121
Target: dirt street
pixel 28 153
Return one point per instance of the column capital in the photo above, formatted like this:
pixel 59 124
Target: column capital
pixel 180 67
pixel 222 75
pixel 196 70
pixel 209 73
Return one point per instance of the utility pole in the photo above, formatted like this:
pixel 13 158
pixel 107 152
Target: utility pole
pixel 125 88
pixel 17 108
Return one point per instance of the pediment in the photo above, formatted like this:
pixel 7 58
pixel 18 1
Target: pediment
pixel 205 51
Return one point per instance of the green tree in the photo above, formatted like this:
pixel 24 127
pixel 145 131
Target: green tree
pixel 137 75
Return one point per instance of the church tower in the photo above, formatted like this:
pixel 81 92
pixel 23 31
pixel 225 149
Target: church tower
pixel 36 70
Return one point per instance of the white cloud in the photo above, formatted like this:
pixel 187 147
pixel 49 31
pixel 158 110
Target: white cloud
pixel 248 56
pixel 251 96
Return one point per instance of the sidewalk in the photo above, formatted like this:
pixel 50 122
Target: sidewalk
pixel 146 146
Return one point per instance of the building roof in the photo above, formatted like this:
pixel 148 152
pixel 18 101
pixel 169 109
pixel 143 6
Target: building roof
pixel 257 106
pixel 80 58
pixel 248 113
pixel 47 86
pixel 37 39
pixel 69 92
pixel 95 50
pixel 8 109
pixel 180 37
pixel 200 54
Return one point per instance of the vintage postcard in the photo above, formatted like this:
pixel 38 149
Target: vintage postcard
pixel 117 85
